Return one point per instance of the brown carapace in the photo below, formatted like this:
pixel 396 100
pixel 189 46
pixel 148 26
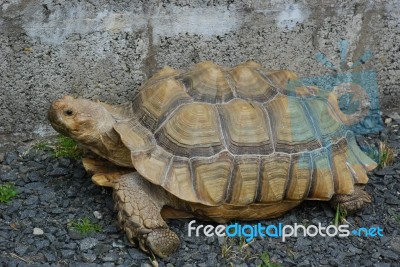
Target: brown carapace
pixel 217 143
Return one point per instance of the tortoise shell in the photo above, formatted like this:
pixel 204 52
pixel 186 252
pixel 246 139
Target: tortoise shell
pixel 241 135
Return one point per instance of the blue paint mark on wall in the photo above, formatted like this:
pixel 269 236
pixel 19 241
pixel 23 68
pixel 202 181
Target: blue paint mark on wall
pixel 372 123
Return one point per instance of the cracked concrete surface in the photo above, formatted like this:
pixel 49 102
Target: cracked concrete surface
pixel 106 49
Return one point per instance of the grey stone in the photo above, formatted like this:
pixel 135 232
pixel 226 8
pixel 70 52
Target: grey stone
pixel 65 253
pixel 303 242
pixel 384 239
pixel 71 193
pixel 23 169
pixel 395 244
pixel 137 254
pixel 28 214
pixel 89 257
pixel 118 244
pixel 376 255
pixel 211 239
pixel 37 231
pixel 393 200
pixel 212 259
pixel 112 256
pixel 50 237
pixel 88 243
pixel 64 162
pixel 59 172
pixel 37 186
pixel 49 256
pixel 102 248
pixel 36 165
pixel 78 173
pixel 74 234
pixel 56 211
pixel 21 250
pixel 32 200
pixel 40 244
pixel 8 176
pixel 354 249
pixel 70 245
pixel 382 264
pixel 204 248
pixel 13 207
pixel 97 215
pixel 221 240
pixel 388 254
pixel 33 176
pixel 323 262
pixel 49 196
pixel 83 264
pixel 304 263
pixel 334 262
pixel 10 157
pixel 197 257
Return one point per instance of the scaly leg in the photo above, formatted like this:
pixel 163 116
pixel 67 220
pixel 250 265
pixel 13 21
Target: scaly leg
pixel 139 204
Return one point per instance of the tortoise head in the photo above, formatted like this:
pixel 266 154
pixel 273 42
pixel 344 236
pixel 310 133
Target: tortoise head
pixel 80 119
pixel 111 132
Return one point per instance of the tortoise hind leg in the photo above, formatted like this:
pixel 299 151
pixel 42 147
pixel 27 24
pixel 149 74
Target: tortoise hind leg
pixel 353 202
pixel 139 205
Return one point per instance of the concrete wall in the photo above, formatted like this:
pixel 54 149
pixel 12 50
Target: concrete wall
pixel 106 49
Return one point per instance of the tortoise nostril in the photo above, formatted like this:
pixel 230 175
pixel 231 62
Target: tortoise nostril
pixel 68 112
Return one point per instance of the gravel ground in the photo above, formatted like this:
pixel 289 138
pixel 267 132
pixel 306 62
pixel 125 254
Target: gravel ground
pixel 52 192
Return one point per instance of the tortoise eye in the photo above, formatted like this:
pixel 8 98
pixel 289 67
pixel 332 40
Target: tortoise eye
pixel 68 112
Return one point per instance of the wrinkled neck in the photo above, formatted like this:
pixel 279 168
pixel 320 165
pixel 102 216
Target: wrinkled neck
pixel 109 146
pixel 104 141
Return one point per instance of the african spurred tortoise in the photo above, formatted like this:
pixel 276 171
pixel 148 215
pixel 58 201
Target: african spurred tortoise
pixel 217 143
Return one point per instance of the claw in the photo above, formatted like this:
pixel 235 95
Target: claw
pixel 142 245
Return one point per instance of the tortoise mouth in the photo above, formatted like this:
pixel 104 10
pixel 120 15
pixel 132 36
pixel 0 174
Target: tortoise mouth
pixel 56 122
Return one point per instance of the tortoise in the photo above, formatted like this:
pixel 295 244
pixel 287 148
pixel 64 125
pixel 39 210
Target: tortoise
pixel 217 143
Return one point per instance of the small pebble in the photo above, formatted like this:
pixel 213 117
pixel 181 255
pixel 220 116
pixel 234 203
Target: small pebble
pixel 97 215
pixel 118 244
pixel 38 231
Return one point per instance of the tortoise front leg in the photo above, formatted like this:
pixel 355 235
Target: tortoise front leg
pixel 139 205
